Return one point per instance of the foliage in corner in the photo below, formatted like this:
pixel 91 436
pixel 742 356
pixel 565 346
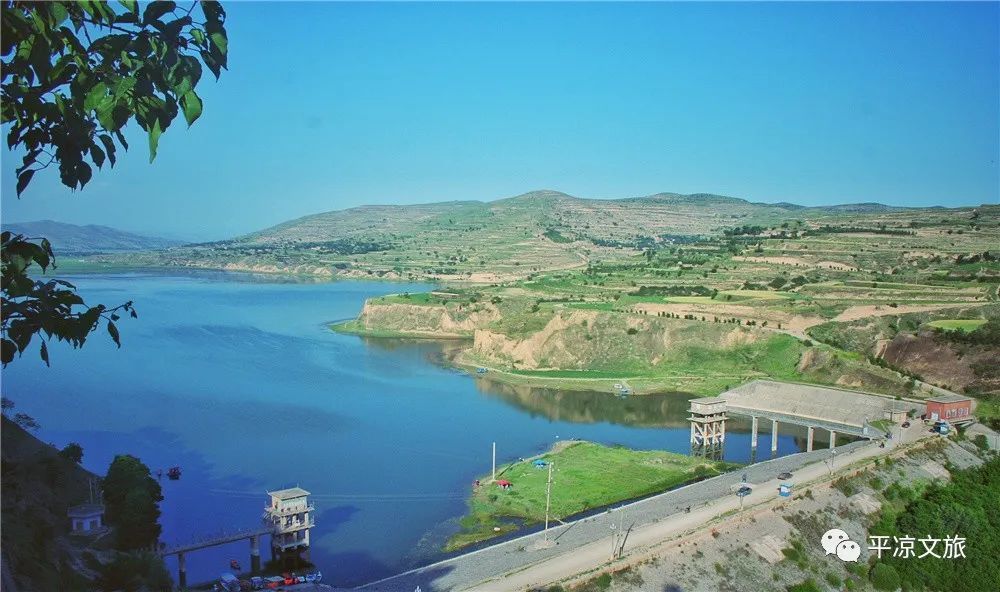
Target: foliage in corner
pixel 75 73
pixel 49 309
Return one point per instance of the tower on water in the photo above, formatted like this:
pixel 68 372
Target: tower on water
pixel 291 517
pixel 708 426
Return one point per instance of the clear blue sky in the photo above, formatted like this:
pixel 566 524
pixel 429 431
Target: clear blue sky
pixel 328 106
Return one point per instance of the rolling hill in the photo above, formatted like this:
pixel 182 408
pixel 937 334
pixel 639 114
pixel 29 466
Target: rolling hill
pixel 515 237
pixel 72 239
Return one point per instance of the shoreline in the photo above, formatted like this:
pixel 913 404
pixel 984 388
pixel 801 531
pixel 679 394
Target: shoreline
pixel 86 267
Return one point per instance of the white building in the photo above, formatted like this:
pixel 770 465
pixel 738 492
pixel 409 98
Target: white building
pixel 87 518
pixel 291 516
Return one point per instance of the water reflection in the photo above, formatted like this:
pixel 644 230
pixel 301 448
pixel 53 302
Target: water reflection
pixel 655 410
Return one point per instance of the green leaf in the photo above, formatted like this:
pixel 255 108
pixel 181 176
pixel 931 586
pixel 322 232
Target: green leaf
pixel 191 104
pixel 7 350
pixel 123 86
pixel 214 13
pixel 109 147
pixel 97 154
pixel 220 41
pixel 58 12
pixel 130 5
pixel 155 10
pixel 154 138
pixel 83 173
pixel 121 138
pixel 113 331
pixel 199 36
pixel 23 179
pixel 94 96
pixel 212 64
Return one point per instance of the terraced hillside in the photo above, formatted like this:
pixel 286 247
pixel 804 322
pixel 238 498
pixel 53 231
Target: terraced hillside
pixel 664 292
pixel 683 301
pixel 545 231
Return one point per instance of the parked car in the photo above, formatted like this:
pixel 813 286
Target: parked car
pixel 785 475
pixel 906 424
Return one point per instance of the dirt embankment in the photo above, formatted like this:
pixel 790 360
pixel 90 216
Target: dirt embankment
pixel 793 324
pixel 426 320
pixel 855 313
pixel 597 341
pixel 938 361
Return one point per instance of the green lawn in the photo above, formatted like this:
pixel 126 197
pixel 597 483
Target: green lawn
pixel 585 476
pixel 966 325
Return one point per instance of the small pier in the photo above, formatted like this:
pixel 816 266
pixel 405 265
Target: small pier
pixel 288 518
pixel 181 550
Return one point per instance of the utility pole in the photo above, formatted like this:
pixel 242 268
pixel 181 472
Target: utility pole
pixel 494 461
pixel 620 542
pixel 614 535
pixel 548 499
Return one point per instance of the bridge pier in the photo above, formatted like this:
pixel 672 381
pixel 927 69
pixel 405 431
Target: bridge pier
pixel 255 554
pixel 753 433
pixel 833 438
pixel 809 439
pixel 774 436
pixel 181 572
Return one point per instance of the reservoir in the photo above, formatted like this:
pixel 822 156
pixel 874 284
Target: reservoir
pixel 237 380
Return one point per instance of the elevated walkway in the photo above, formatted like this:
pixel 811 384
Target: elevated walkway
pixel 215 540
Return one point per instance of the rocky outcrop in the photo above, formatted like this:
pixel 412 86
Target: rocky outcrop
pixel 426 320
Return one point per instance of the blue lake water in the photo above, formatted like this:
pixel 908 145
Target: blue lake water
pixel 238 381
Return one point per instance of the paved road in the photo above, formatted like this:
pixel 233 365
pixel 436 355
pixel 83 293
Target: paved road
pixel 492 562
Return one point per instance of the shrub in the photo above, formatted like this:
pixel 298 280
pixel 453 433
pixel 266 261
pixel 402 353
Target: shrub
pixel 134 571
pixel 885 577
pixel 806 586
pixel 603 581
pixel 73 452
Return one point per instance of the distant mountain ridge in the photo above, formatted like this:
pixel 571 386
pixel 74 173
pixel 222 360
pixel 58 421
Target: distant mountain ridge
pixel 73 239
pixel 547 208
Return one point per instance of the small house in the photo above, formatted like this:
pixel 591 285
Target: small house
pixel 86 518
pixel 953 408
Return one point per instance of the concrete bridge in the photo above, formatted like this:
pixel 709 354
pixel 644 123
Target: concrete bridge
pixel 815 407
pixel 181 549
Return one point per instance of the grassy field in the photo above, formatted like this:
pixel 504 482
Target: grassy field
pixel 585 476
pixel 965 325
